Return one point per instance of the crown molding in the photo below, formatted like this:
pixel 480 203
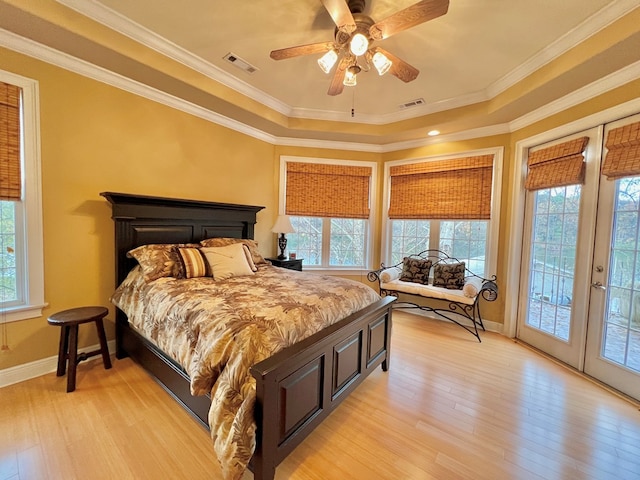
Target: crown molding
pixel 604 84
pixel 95 10
pixel 46 54
pixel 55 57
pixel 63 60
pixel 598 21
pixel 387 118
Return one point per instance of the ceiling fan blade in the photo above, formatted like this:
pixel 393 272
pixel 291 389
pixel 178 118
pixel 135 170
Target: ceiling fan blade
pixel 399 68
pixel 409 17
pixel 308 49
pixel 341 15
pixel 337 84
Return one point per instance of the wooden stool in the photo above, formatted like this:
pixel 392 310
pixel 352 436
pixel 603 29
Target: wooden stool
pixel 68 350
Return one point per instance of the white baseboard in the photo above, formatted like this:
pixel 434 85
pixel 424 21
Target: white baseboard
pixel 488 324
pixel 26 371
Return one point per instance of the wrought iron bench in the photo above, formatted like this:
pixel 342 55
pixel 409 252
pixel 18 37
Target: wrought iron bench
pixel 461 295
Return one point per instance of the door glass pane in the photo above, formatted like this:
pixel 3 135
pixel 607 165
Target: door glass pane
pixel 553 258
pixel 621 332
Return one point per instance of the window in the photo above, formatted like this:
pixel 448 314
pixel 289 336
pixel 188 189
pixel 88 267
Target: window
pixel 446 204
pixel 347 245
pixel 328 204
pixel 465 240
pixel 21 257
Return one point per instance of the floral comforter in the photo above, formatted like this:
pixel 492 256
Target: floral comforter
pixel 217 329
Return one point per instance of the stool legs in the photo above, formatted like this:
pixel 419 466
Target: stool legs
pixel 68 351
pixel 104 349
pixel 62 351
pixel 73 357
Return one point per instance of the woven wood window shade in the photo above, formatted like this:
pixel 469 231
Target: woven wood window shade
pixel 623 156
pixel 557 166
pixel 10 176
pixel 444 189
pixel 324 190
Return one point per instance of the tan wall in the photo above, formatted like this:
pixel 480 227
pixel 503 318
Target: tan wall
pixel 97 138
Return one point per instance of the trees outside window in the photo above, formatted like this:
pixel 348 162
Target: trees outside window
pixel 329 242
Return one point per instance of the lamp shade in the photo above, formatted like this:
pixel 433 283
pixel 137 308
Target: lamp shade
pixel 381 62
pixel 328 60
pixel 283 225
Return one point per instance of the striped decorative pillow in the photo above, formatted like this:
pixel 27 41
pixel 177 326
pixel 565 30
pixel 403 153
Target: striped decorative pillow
pixel 160 260
pixel 193 262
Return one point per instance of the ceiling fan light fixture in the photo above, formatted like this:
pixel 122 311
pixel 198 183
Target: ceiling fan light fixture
pixel 359 44
pixel 381 62
pixel 350 76
pixel 328 60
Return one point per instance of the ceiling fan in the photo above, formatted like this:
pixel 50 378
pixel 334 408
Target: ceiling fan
pixel 354 35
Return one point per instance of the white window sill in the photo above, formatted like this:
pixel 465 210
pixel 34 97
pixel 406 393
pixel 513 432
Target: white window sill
pixel 15 314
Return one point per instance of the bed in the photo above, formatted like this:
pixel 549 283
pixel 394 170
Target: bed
pixel 295 388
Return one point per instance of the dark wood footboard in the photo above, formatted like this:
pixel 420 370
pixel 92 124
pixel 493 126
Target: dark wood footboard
pixel 296 389
pixel 300 386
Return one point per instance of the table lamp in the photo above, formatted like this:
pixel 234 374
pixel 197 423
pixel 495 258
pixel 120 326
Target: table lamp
pixel 282 226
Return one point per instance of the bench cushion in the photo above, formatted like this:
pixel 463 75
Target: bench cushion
pixel 390 280
pixel 427 291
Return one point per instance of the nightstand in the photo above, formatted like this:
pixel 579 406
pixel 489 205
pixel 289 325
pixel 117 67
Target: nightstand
pixel 287 263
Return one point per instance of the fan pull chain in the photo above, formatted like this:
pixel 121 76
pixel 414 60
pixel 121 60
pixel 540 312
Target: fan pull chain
pixel 353 104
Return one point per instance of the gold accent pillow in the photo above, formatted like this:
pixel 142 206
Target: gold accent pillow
pixel 224 241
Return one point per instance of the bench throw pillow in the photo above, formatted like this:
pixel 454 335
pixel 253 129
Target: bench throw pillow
pixel 415 270
pixel 449 275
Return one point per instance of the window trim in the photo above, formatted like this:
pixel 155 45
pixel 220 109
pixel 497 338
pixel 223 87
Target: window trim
pixel 373 203
pixel 32 233
pixel 496 190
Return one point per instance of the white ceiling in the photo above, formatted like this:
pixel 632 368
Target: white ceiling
pixel 476 50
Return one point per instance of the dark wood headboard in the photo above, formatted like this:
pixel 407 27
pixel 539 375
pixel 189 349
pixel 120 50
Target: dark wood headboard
pixel 141 220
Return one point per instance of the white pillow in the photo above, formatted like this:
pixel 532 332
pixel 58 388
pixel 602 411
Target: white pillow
pixel 226 262
pixel 472 286
pixel 390 274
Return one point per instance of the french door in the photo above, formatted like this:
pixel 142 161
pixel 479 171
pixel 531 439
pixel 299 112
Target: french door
pixel 613 343
pixel 580 271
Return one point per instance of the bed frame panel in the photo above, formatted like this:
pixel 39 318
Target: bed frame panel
pixel 296 388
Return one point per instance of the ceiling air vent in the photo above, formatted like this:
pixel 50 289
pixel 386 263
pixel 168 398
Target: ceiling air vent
pixel 413 103
pixel 240 63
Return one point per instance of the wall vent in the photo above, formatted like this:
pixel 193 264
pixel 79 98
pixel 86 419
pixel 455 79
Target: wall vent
pixel 413 103
pixel 240 63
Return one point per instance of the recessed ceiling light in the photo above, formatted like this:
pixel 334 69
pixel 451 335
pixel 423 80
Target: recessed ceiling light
pixel 433 133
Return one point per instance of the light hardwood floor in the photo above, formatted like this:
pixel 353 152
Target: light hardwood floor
pixel 449 408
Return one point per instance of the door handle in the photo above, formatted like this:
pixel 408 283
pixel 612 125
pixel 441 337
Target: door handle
pixel 598 285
